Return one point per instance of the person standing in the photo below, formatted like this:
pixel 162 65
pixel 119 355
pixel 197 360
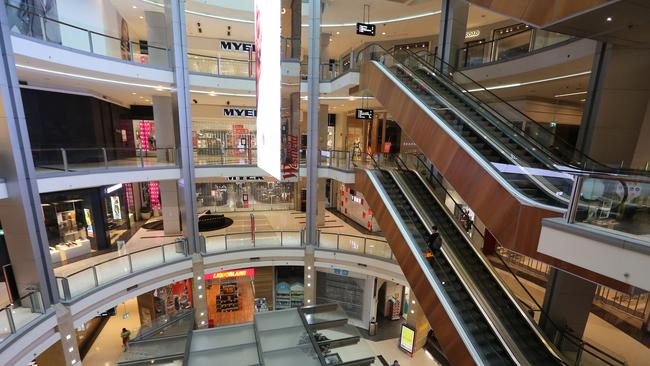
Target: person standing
pixel 126 335
pixel 395 363
pixel 433 241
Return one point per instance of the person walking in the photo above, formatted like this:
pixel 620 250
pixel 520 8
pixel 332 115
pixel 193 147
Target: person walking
pixel 433 241
pixel 126 335
pixel 395 363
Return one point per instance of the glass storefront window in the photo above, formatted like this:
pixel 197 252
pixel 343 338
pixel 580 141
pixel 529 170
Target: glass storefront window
pixel 245 196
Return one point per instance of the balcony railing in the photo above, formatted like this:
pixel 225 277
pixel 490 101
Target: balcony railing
pixel 112 270
pixel 81 39
pixel 514 45
pixel 221 66
pixel 21 312
pixel 100 158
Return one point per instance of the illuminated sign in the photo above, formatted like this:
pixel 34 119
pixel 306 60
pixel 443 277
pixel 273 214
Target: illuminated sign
pixel 473 33
pixel 356 199
pixel 366 29
pixel 113 188
pixel 365 113
pixel 407 339
pixel 240 112
pixel 237 46
pixel 268 82
pixel 247 272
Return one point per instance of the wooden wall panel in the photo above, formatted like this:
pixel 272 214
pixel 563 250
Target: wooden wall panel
pixel 449 339
pixel 264 284
pixel 515 225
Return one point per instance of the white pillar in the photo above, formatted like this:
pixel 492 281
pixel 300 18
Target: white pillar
pixel 157 38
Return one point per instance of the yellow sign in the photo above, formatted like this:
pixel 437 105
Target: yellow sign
pixel 407 339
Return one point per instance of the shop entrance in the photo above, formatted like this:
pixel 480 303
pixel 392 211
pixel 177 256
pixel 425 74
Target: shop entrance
pixel 231 297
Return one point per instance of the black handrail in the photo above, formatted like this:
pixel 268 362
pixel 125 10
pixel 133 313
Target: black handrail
pixel 572 338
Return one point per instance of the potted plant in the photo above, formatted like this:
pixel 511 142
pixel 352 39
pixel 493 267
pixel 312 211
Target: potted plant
pixel 145 212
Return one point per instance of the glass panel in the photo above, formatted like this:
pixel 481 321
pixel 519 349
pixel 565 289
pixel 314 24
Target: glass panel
pixel 146 259
pixel 291 238
pixel 81 282
pixel 116 268
pixel 268 239
pixel 616 205
pixel 378 248
pixel 348 243
pixel 545 38
pixel 215 243
pixel 277 319
pixel 239 241
pixel 235 356
pixel 5 327
pixel 328 241
pixel 108 46
pixel 174 251
pixel 297 356
pixel 283 338
pixel 512 46
pixel 222 337
pixel 74 37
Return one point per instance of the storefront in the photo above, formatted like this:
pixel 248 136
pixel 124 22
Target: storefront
pixel 82 222
pixel 289 287
pixel 245 194
pixel 165 301
pixel 231 297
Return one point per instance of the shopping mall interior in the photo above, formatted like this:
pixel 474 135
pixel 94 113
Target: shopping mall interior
pixel 296 183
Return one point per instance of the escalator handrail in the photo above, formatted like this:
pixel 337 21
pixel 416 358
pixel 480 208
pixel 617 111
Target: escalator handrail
pixel 544 185
pixel 445 301
pixel 498 280
pixel 485 106
pixel 603 169
pixel 572 338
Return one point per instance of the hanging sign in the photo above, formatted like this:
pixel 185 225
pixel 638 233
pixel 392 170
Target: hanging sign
pixel 366 29
pixel 365 113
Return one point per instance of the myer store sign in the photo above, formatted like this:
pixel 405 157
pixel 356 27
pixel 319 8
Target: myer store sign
pixel 239 112
pixel 237 46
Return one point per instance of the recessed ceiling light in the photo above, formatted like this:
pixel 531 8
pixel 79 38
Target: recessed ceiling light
pixel 337 32
pixel 383 33
pixel 141 17
pixel 134 93
pixel 141 97
pixel 135 7
pixel 609 19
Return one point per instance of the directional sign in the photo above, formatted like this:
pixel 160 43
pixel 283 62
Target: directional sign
pixel 365 113
pixel 366 29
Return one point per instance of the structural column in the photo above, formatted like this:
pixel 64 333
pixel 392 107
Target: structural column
pixel 175 17
pixel 615 126
pixel 313 93
pixel 417 319
pixel 21 213
pixel 341 132
pixel 157 38
pixel 453 26
pixel 200 302
pixel 567 303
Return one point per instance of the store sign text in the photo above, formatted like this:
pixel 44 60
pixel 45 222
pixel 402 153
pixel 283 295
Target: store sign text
pixel 290 163
pixel 240 112
pixel 473 33
pixel 247 272
pixel 237 46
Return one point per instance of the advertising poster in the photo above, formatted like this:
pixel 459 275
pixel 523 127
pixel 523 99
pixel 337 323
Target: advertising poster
pixel 407 339
pixel 268 68
pixel 89 223
pixel 125 45
pixel 116 208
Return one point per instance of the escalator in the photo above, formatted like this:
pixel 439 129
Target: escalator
pixel 511 182
pixel 482 337
pixel 495 331
pixel 528 339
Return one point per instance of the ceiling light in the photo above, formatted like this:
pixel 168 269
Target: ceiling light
pixel 134 93
pixel 583 100
pixel 383 33
pixel 141 17
pixel 609 19
pixel 570 94
pixel 134 7
pixel 284 11
pixel 514 85
pixel 337 32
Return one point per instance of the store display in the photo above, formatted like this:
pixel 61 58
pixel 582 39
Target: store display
pixel 395 311
pixel 297 293
pixel 70 249
pixel 228 297
pixel 261 305
pixel 282 296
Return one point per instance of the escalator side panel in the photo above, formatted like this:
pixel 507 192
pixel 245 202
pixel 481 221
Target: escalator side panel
pixel 449 339
pixel 517 226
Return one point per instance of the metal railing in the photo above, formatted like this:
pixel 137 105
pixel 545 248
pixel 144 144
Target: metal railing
pixel 368 246
pixel 635 304
pixel 511 46
pixel 82 39
pixel 582 353
pixel 221 66
pixel 11 319
pixel 332 70
pixel 112 270
pixel 225 156
pixel 94 158
pixel 218 243
pixel 520 260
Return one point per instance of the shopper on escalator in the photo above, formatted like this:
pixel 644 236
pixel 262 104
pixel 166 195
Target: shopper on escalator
pixel 433 241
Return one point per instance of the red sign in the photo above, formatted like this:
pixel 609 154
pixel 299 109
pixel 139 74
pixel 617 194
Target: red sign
pixel 154 195
pixel 247 272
